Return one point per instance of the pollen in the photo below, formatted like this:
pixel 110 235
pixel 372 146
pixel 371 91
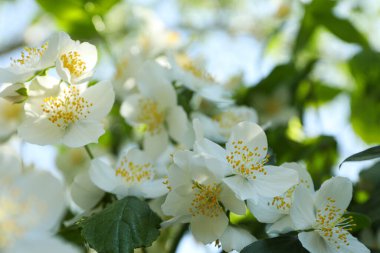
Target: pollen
pixel 30 56
pixel 133 172
pixel 73 62
pixel 246 162
pixel 284 202
pixel 206 200
pixel 332 225
pixel 67 108
pixel 150 115
pixel 188 65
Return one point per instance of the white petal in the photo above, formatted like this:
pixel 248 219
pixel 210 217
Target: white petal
pixel 42 244
pixel 252 136
pixel 88 54
pixel 40 131
pixel 10 163
pixel 155 144
pixel 176 204
pixel 102 96
pixel 53 45
pixel 153 83
pixel 304 176
pixel 210 149
pixel 63 73
pixel 264 211
pixel 47 196
pixel 82 133
pixel 236 239
pixel 206 229
pixel 314 243
pixel 302 210
pixel 243 188
pixel 231 202
pixel 337 188
pixel 210 127
pixel 153 189
pixel 352 245
pixel 84 192
pixel 10 75
pixel 102 175
pixel 277 181
pixel 281 226
pixel 130 108
pixel 177 123
pixel 178 176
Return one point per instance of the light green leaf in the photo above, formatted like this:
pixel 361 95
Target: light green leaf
pixel 121 227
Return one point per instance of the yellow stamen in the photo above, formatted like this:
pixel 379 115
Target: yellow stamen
pixel 67 108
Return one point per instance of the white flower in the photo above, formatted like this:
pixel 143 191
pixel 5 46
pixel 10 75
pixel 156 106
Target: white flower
pixel 33 60
pixel 83 192
pixel 320 218
pixel 190 74
pixel 218 128
pixel 242 163
pixel 76 61
pixel 155 109
pixel 235 238
pixel 133 175
pixel 31 205
pixel 198 197
pixel 72 118
pixel 15 93
pixel 11 116
pixel 276 210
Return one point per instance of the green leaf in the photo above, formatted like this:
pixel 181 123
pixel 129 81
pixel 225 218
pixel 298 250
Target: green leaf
pixel 360 220
pixel 343 29
pixel 367 154
pixel 283 244
pixel 22 91
pixel 122 226
pixel 76 16
pixel 365 116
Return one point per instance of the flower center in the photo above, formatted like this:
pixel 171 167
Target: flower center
pixel 284 202
pixel 30 56
pixel 150 116
pixel 246 162
pixel 229 119
pixel 10 111
pixel 73 62
pixel 188 65
pixel 332 225
pixel 12 226
pixel 205 201
pixel 67 108
pixel 134 172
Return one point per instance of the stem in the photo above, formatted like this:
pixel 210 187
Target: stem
pixel 143 250
pixel 89 152
pixel 178 238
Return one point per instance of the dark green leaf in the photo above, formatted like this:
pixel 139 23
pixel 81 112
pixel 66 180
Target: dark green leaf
pixel 359 220
pixel 283 244
pixel 367 154
pixel 122 226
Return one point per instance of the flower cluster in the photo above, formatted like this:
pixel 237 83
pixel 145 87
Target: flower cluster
pixel 189 150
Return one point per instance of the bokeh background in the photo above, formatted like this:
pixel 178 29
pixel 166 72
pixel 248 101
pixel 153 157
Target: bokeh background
pixel 311 69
